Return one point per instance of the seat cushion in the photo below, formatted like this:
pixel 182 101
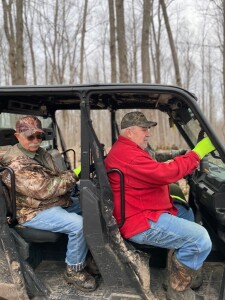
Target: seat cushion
pixel 36 235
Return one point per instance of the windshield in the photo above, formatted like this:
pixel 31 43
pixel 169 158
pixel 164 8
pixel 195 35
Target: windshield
pixel 193 129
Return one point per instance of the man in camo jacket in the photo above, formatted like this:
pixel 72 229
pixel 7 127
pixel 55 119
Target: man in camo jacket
pixel 43 199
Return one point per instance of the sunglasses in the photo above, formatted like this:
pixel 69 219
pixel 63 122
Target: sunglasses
pixel 38 136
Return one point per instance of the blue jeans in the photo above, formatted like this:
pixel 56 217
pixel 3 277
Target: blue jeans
pixel 190 240
pixel 69 221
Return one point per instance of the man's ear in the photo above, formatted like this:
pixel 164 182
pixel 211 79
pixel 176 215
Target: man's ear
pixel 128 132
pixel 16 135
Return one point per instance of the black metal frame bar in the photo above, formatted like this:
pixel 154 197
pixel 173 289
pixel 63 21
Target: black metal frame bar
pixel 12 192
pixel 122 194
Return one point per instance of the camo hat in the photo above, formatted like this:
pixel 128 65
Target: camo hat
pixel 29 125
pixel 136 118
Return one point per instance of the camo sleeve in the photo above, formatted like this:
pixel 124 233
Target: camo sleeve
pixel 36 181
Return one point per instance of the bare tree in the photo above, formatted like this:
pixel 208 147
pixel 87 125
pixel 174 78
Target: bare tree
pixel 5 74
pixel 134 67
pixel 156 38
pixel 220 5
pixel 145 57
pixel 112 42
pixel 172 44
pixel 223 53
pixel 210 87
pixel 54 39
pixel 13 27
pixel 29 17
pixel 122 48
pixel 82 41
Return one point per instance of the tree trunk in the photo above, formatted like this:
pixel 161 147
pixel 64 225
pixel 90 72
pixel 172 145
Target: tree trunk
pixel 112 42
pixel 13 27
pixel 135 46
pixel 172 45
pixel 82 42
pixel 122 48
pixel 223 49
pixel 157 40
pixel 19 43
pixel 145 57
pixel 30 31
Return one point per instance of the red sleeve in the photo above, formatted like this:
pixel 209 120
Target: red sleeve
pixel 148 170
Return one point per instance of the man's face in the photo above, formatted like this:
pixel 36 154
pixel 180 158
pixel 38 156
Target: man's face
pixel 139 135
pixel 30 143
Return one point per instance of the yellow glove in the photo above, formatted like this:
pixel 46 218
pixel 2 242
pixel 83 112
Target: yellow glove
pixel 77 171
pixel 203 147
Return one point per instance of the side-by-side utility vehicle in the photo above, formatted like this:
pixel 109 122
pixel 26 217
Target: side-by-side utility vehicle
pixel 32 261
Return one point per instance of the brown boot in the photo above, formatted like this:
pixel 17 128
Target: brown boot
pixel 196 281
pixel 180 279
pixel 82 279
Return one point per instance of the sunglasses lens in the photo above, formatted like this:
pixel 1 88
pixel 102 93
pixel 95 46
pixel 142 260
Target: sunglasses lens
pixel 40 136
pixel 37 136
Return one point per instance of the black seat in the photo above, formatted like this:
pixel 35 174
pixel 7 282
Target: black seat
pixel 32 235
pixel 7 137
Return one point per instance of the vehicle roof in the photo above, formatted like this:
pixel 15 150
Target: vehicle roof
pixel 42 100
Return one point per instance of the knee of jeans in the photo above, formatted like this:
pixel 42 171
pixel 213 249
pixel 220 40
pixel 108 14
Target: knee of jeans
pixel 79 226
pixel 75 227
pixel 205 242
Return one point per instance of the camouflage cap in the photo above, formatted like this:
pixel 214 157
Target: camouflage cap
pixel 136 118
pixel 29 125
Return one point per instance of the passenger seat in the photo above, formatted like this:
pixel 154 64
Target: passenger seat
pixel 58 159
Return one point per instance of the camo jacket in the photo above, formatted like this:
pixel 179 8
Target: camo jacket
pixel 38 186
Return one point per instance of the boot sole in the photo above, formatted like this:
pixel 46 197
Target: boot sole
pixel 70 281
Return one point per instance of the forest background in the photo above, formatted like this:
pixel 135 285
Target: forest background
pixel 171 42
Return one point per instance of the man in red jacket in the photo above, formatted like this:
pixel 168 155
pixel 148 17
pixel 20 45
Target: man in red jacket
pixel 150 214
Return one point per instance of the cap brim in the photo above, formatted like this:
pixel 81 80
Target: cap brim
pixel 32 131
pixel 152 124
pixel 148 124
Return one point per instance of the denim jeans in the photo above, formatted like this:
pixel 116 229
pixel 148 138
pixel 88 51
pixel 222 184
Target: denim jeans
pixel 190 240
pixel 69 221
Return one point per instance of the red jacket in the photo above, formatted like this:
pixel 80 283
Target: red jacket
pixel 146 183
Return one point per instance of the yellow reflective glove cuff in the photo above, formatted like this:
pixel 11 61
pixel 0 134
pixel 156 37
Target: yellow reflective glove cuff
pixel 203 147
pixel 77 171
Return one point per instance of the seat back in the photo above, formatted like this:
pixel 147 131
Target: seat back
pixel 122 195
pixel 7 137
pixel 58 159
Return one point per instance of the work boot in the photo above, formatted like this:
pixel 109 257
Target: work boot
pixel 196 281
pixel 82 280
pixel 180 278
